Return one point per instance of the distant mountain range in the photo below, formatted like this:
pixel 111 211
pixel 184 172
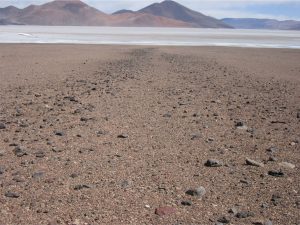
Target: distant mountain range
pixel 165 14
pixel 75 12
pixel 252 23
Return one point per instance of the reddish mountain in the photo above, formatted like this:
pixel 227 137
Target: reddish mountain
pixel 63 12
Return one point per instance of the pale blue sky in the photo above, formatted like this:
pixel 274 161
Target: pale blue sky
pixel 277 9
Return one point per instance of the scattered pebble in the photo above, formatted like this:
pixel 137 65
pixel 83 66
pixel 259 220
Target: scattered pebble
pixel 40 154
pixel 59 133
pixel 167 115
pixel 276 198
pixel 2 126
pixel 276 173
pixel 164 211
pixel 199 192
pixel 10 194
pixel 233 211
pixel 122 136
pixel 262 222
pixel 272 149
pixel 252 162
pixel 224 220
pixel 37 175
pixel 240 125
pixel 272 159
pixel 287 165
pixel 81 186
pixel 244 214
pixel 2 170
pixel 186 203
pixel 20 151
pixel 213 163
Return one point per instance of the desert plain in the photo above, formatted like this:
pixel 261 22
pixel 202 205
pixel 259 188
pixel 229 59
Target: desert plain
pixel 95 134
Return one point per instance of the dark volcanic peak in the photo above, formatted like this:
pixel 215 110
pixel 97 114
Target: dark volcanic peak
pixel 174 10
pixel 7 11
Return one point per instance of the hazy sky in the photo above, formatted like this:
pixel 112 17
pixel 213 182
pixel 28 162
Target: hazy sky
pixel 278 9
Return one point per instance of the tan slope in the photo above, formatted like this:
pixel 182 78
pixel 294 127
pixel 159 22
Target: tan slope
pixel 144 20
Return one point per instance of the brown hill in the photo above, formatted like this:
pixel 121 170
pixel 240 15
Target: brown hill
pixel 63 12
pixel 173 10
pixel 144 20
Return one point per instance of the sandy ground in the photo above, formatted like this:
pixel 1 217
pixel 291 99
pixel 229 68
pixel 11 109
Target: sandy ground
pixel 121 135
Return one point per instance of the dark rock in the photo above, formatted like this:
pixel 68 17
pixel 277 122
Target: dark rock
pixel 199 192
pixel 272 149
pixel 70 98
pixel 84 119
pixel 164 211
pixel 262 222
pixel 101 132
pixel 298 115
pixel 2 126
pixel 233 211
pixel 276 173
pixel 195 136
pixel 125 184
pixel 39 154
pixel 186 203
pixel 223 219
pixel 239 124
pixel 59 133
pixel 20 151
pixel 19 179
pixel 167 115
pixel 37 175
pixel 122 136
pixel 81 186
pixel 213 163
pixel 272 159
pixel 74 175
pixel 10 194
pixel 13 144
pixel 2 170
pixel 244 214
pixel 264 205
pixel 245 182
pixel 54 149
pixel 276 198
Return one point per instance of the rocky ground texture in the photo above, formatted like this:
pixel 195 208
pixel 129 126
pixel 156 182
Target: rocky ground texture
pixel 148 135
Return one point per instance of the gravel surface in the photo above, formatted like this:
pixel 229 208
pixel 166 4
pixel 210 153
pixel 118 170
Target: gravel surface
pixel 139 135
